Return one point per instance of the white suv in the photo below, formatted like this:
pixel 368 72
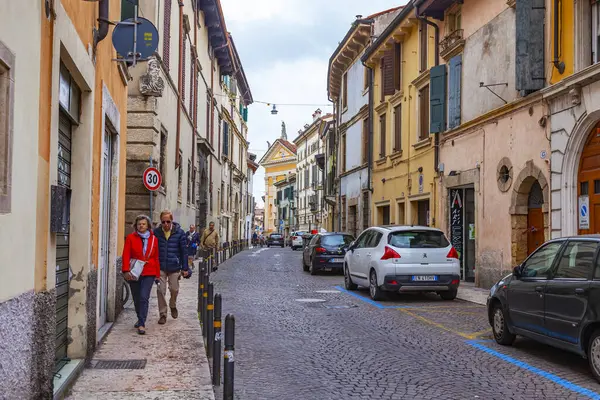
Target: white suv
pixel 402 259
pixel 296 240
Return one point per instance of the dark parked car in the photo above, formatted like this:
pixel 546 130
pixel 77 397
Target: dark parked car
pixel 553 297
pixel 275 239
pixel 326 252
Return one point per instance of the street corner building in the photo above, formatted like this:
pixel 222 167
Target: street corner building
pixel 63 112
pixel 279 161
pixel 310 154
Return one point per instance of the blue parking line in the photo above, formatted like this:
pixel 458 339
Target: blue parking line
pixel 369 301
pixel 551 377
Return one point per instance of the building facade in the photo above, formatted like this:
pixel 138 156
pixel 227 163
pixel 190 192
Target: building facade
pixel 63 105
pixel 493 140
pixel 250 200
pixel 286 204
pixel 309 179
pixel 279 161
pixel 188 117
pixel 403 151
pixel 348 87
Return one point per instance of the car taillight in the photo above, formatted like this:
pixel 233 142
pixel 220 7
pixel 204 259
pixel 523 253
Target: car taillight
pixel 320 250
pixel 294 237
pixel 452 253
pixel 389 253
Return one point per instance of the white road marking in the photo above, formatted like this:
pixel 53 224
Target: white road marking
pixel 310 300
pixel 328 291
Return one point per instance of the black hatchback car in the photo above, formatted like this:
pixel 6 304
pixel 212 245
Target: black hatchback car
pixel 275 239
pixel 326 252
pixel 553 297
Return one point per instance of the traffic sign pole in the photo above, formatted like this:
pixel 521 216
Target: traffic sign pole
pixel 151 195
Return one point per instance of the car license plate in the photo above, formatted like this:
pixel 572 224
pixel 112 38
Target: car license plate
pixel 275 242
pixel 327 269
pixel 424 278
pixel 337 260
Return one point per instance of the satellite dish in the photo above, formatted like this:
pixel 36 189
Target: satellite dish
pixel 135 38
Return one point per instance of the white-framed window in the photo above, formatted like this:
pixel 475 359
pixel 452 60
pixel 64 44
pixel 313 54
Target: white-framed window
pixel 595 31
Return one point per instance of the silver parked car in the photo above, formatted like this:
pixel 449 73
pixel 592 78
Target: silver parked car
pixel 402 259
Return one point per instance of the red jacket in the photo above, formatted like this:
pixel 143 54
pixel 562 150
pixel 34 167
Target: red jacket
pixel 134 249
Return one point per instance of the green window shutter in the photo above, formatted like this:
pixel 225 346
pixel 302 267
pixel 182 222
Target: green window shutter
pixel 245 114
pixel 529 61
pixel 128 9
pixel 225 138
pixel 454 84
pixel 437 99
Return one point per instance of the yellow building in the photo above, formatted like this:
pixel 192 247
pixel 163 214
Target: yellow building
pixel 279 161
pixel 402 149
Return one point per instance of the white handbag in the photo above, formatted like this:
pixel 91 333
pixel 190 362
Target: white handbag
pixel 136 267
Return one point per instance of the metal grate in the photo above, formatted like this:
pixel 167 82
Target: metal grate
pixel 339 306
pixel 118 364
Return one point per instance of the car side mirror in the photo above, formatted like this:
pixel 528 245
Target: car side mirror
pixel 517 271
pixel 351 247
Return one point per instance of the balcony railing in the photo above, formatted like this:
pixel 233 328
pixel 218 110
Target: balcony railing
pixel 449 42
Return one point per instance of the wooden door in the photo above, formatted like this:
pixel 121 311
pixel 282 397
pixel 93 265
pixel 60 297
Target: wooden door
pixel 535 231
pixel 535 218
pixel 589 180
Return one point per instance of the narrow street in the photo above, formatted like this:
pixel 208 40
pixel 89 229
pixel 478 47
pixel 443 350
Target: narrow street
pixel 304 337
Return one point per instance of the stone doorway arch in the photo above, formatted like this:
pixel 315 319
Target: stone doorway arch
pixel 526 205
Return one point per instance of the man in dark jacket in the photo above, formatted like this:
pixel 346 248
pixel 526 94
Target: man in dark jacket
pixel 192 243
pixel 172 253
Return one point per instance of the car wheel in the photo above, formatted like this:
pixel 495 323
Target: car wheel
pixel 594 354
pixel 304 266
pixel 374 289
pixel 450 295
pixel 348 284
pixel 269 246
pixel 312 268
pixel 500 327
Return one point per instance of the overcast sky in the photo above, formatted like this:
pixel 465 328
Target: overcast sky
pixel 285 46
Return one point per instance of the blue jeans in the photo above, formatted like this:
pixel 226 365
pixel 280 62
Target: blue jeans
pixel 140 291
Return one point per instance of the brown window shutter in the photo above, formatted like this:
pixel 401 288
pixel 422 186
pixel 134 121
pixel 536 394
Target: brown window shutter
pixel 388 73
pixel 397 66
pixel 398 128
pixel 382 136
pixel 182 68
pixel 365 140
pixel 167 34
pixel 382 78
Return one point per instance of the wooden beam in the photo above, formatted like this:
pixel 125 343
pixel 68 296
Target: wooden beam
pixel 407 29
pixel 399 36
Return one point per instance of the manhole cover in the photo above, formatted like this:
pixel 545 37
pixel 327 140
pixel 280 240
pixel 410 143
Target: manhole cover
pixel 310 300
pixel 118 364
pixel 339 306
pixel 327 291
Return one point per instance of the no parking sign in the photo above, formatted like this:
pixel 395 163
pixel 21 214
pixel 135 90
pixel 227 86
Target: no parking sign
pixel 584 212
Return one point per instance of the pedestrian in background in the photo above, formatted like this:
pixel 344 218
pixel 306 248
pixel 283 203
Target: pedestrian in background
pixel 141 245
pixel 193 239
pixel 173 256
pixel 210 238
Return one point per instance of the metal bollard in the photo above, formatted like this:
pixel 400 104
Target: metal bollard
pixel 205 304
pixel 228 358
pixel 210 317
pixel 217 342
pixel 200 290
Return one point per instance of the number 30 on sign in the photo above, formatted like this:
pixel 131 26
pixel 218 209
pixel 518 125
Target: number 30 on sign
pixel 152 178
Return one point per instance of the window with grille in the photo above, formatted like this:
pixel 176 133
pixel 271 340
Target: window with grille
pixel 167 34
pixel 424 113
pixel 189 182
pixel 7 82
pixel 366 209
pixel 382 136
pixel 180 179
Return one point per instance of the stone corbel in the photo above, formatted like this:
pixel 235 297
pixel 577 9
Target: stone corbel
pixel 151 83
pixel 575 95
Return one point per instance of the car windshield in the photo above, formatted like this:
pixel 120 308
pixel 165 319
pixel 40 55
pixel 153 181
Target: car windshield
pixel 336 240
pixel 299 233
pixel 418 239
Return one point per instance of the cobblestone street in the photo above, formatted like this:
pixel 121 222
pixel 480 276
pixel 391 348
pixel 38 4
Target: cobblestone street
pixel 304 337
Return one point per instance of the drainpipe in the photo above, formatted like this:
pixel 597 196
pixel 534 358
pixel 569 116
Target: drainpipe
pixel 103 21
pixel 559 65
pixel 179 86
pixel 436 149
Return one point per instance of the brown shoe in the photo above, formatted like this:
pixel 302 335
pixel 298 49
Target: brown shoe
pixel 174 313
pixel 162 320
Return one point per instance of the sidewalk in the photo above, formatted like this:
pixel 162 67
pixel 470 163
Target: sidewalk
pixel 468 292
pixel 176 364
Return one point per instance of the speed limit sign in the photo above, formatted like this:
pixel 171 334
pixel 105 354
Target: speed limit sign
pixel 152 178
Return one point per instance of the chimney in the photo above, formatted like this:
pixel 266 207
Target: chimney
pixel 317 114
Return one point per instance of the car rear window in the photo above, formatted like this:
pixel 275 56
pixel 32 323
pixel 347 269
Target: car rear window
pixel 299 233
pixel 276 236
pixel 336 240
pixel 418 239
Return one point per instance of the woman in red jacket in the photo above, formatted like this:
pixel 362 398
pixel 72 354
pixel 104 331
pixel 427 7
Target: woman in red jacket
pixel 141 245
